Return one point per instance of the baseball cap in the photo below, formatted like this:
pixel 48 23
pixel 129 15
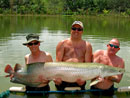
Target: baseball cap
pixel 78 22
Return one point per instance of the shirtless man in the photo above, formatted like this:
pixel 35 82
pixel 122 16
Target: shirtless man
pixel 73 49
pixel 36 55
pixel 108 57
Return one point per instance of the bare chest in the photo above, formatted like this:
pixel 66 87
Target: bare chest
pixel 39 58
pixel 75 51
pixel 106 60
pixel 114 63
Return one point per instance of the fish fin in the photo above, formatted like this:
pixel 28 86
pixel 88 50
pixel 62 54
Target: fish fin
pixel 17 67
pixel 8 69
pixel 94 82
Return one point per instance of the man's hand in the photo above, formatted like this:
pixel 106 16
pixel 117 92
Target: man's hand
pixel 80 82
pixel 113 78
pixel 42 80
pixel 57 81
pixel 100 79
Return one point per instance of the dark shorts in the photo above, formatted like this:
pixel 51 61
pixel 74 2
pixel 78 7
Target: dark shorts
pixel 66 84
pixel 45 88
pixel 99 92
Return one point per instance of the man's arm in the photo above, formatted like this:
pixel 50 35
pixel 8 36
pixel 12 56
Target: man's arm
pixel 59 57
pixel 26 58
pixel 60 51
pixel 117 78
pixel 88 54
pixel 97 55
pixel 49 58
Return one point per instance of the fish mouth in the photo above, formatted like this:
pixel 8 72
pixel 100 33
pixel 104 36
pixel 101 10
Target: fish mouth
pixel 15 80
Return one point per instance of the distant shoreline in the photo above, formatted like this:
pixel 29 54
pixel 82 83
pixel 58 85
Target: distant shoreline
pixel 98 15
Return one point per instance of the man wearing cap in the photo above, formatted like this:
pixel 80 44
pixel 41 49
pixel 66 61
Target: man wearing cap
pixel 73 49
pixel 36 55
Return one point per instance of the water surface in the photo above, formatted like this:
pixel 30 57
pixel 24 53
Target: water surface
pixel 52 29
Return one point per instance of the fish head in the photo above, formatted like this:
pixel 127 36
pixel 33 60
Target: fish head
pixel 110 71
pixel 18 80
pixel 14 80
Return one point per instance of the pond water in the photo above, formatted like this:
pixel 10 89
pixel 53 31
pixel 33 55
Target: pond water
pixel 52 29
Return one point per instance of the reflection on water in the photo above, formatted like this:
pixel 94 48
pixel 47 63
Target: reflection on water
pixel 52 29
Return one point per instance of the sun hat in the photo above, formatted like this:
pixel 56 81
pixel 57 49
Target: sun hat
pixel 78 22
pixel 32 37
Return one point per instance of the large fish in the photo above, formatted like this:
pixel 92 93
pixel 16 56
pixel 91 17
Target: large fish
pixel 67 71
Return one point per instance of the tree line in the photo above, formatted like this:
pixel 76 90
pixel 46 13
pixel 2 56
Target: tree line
pixel 65 7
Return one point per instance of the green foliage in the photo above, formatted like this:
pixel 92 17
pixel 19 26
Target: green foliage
pixel 105 12
pixel 54 6
pixel 4 4
pixel 123 13
pixel 1 10
pixel 7 11
pixel 68 12
pixel 65 7
pixel 22 10
pixel 128 12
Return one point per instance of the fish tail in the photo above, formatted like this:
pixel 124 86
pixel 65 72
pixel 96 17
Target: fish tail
pixel 8 69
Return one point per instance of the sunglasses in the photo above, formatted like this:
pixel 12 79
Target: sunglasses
pixel 115 46
pixel 79 29
pixel 35 43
